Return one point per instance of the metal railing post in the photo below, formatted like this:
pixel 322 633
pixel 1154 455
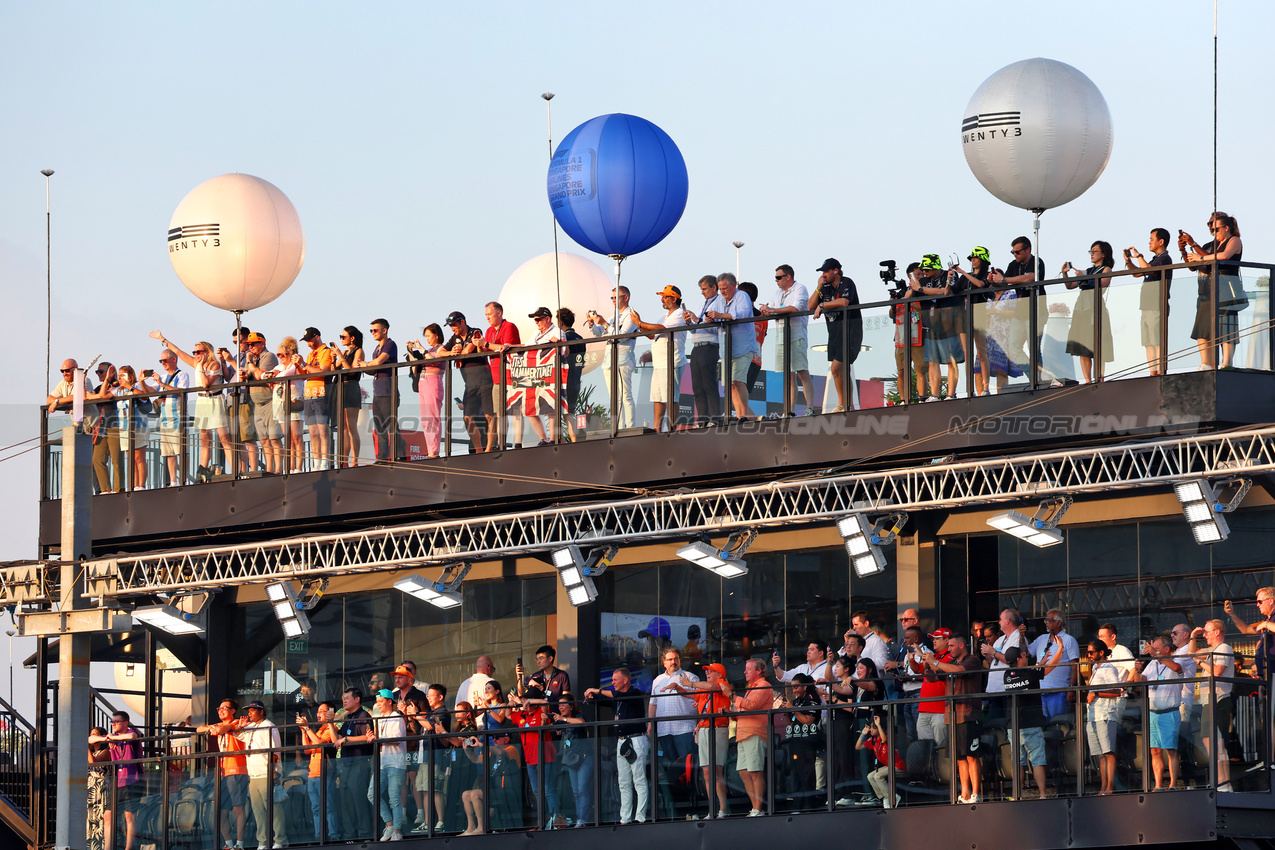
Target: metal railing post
pixel 447 410
pixel 790 393
pixel 392 431
pixel 1033 328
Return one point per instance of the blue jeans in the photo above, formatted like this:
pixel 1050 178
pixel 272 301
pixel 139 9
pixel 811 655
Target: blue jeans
pixel 312 785
pixel 582 789
pixel 392 791
pixel 551 787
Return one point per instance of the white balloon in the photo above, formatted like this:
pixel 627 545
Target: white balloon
pixel 236 242
pixel 583 284
pixel 174 709
pixel 1037 134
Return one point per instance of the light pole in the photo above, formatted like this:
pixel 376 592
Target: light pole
pixel 10 633
pixel 48 327
pixel 737 245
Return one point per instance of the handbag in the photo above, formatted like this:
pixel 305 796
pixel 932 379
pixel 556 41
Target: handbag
pixel 1230 293
pixel 572 757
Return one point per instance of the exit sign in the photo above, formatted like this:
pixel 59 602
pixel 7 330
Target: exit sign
pixel 298 645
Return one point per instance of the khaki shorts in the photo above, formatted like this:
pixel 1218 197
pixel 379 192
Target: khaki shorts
pixel 799 362
pixel 739 367
pixel 170 442
pixel 719 743
pixel 750 754
pixel 266 421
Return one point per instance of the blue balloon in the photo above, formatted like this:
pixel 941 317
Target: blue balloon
pixel 617 184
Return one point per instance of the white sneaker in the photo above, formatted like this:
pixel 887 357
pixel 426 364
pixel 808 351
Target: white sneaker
pixel 438 827
pixel 754 813
pixel 974 798
pixel 396 836
pixel 933 398
pixel 838 409
pixel 721 814
pixel 385 836
pixel 962 800
pixel 844 801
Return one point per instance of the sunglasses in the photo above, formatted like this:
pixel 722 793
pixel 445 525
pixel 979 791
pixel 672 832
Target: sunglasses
pixel 64 371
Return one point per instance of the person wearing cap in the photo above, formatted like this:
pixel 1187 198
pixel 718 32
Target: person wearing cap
pixel 1149 295
pixel 705 352
pixel 387 726
pixel 1025 679
pixel 844 340
pixel 1022 272
pixel 264 769
pixel 476 404
pixel 315 401
pixel 258 363
pixel 674 317
pixel 931 720
pixel 500 336
pixel 405 685
pixel 623 350
pixel 545 333
pixel 976 281
pixel 712 701
pixel 944 332
pixel 743 339
pixel 245 430
pixel 790 299
pixel 1062 675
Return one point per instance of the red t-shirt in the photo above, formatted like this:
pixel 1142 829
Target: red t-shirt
pixel 506 333
pixel 935 686
pixel 531 740
pixel 878 749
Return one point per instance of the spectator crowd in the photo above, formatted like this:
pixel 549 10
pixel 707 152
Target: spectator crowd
pixel 857 724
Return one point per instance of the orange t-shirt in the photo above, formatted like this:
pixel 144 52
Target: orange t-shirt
pixel 327 736
pixel 755 699
pixel 719 704
pixel 232 765
pixel 323 360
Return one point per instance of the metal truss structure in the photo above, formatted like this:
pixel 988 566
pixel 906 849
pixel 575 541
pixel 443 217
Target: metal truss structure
pixel 685 514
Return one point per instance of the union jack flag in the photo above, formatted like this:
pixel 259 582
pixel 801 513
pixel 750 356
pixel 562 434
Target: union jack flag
pixel 530 380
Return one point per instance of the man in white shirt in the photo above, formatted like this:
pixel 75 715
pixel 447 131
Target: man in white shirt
pixel 1164 701
pixel 675 317
pixel 791 297
pixel 471 690
pixel 258 733
pixel 873 646
pixel 743 339
pixel 1010 637
pixel 1063 675
pixel 816 665
pixel 1121 658
pixel 622 392
pixel 674 739
pixel 705 352
pixel 1218 661
pixel 169 409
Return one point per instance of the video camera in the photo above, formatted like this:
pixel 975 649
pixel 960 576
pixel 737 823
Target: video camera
pixel 890 276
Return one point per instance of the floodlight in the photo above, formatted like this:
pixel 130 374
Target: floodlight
pixel 444 593
pixel 725 562
pixel 288 609
pixel 864 539
pixel 168 619
pixel 1203 510
pixel 1039 530
pixel 576 571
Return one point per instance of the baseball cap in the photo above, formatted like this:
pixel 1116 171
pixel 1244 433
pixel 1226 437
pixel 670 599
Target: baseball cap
pixel 255 337
pixel 657 628
pixel 670 289
pixel 941 633
pixel 400 670
pixel 385 693
pixel 981 253
pixel 931 261
pixel 310 333
pixel 533 692
pixel 256 703
pixel 455 316
pixel 720 668
pixel 541 313
pixel 829 264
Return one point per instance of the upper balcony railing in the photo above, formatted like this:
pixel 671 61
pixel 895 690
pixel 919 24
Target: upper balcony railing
pixel 518 772
pixel 974 343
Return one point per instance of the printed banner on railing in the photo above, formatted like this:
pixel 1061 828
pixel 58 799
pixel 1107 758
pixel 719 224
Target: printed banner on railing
pixel 531 380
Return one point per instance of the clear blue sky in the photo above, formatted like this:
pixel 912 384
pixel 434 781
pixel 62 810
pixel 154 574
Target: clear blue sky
pixel 412 140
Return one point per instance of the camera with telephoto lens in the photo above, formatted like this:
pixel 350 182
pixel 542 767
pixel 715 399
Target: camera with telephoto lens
pixel 890 276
